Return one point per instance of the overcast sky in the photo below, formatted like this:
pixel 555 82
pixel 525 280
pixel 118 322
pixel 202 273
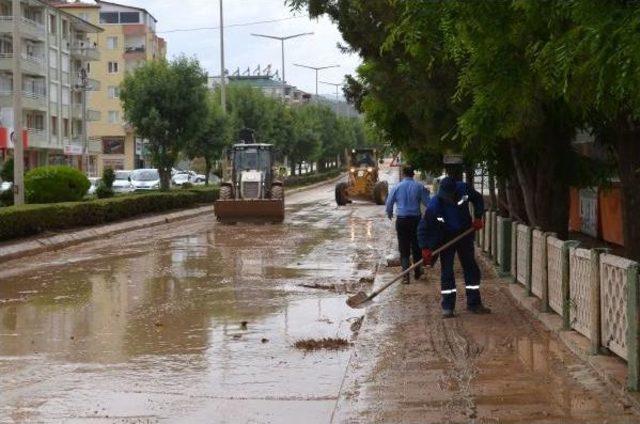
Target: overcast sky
pixel 243 50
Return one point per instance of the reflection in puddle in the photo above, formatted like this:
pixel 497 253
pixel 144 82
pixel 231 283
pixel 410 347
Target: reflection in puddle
pixel 154 328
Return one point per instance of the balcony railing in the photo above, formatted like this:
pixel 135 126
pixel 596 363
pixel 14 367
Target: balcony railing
pixel 85 48
pixel 28 27
pixel 135 49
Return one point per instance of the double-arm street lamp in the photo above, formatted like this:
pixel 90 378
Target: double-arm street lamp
pixel 337 86
pixel 317 69
pixel 282 40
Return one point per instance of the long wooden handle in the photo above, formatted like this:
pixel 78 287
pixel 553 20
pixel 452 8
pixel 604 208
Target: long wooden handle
pixel 417 264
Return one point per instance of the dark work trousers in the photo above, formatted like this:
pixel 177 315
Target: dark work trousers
pixel 407 229
pixel 465 250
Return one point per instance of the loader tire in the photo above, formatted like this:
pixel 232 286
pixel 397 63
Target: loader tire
pixel 380 191
pixel 341 194
pixel 225 193
pixel 277 192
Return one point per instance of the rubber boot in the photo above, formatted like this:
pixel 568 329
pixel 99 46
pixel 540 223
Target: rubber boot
pixel 406 263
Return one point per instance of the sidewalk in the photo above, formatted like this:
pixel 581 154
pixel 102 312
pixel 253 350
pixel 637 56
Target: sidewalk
pixel 411 366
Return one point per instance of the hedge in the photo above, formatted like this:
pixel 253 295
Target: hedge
pixel 300 180
pixel 28 220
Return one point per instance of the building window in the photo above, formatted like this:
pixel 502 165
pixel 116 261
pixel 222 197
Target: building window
pixel 65 96
pixel 113 145
pixel 114 117
pixel 112 43
pixel 88 67
pixel 54 125
pixel 109 17
pixel 53 92
pixel 112 67
pixel 65 127
pixel 53 24
pixel 84 16
pixel 114 92
pixel 129 17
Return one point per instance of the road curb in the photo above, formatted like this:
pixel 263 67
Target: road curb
pixel 60 241
pixel 611 369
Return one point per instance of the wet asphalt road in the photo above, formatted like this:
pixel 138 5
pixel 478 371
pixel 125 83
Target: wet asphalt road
pixel 190 322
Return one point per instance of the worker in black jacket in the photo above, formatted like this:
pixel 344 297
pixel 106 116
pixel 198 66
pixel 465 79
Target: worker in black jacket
pixel 446 217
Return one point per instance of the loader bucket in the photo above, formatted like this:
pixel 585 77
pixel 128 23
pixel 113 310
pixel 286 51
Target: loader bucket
pixel 260 210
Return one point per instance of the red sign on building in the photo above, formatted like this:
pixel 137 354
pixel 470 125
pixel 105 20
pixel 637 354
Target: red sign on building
pixel 6 143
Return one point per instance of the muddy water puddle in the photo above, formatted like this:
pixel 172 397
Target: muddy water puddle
pixel 197 326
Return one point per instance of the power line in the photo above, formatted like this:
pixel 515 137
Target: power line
pixel 245 24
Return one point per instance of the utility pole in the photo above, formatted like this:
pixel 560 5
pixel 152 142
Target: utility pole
pixel 223 88
pixel 282 40
pixel 84 86
pixel 18 148
pixel 337 86
pixel 316 68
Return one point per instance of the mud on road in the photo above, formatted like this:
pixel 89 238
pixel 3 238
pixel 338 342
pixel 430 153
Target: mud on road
pixel 188 322
pixel 196 322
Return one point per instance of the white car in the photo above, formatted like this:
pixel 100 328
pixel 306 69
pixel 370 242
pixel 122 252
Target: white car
pixel 122 183
pixel 181 178
pixel 145 179
pixel 5 186
pixel 95 181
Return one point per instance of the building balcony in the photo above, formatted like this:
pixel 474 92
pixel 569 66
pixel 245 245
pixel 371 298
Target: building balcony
pixel 85 50
pixel 31 100
pixel 31 64
pixel 38 138
pixel 28 28
pixel 92 115
pixel 135 53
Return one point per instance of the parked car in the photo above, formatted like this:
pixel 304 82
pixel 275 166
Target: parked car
pixel 95 181
pixel 5 186
pixel 181 178
pixel 122 183
pixel 145 179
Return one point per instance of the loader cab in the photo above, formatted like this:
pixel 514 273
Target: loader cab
pixel 253 172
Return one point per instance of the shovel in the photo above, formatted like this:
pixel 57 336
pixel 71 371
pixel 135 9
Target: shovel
pixel 361 297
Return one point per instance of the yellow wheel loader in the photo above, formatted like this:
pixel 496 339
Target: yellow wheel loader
pixel 252 191
pixel 362 180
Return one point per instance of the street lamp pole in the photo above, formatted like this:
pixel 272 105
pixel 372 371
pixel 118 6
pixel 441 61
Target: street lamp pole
pixel 282 40
pixel 316 68
pixel 337 86
pixel 18 148
pixel 223 88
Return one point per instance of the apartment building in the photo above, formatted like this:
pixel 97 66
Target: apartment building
pixel 129 39
pixel 55 51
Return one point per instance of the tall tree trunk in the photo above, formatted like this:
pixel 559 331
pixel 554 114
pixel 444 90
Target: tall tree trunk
pixel 542 179
pixel 207 170
pixel 503 204
pixel 165 178
pixel 627 146
pixel 526 185
pixel 515 200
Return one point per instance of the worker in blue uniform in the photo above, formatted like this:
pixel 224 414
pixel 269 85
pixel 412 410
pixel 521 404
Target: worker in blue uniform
pixel 407 196
pixel 446 217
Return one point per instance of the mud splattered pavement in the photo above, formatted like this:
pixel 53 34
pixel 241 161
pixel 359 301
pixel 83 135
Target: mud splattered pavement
pixel 411 366
pixel 192 322
pixel 196 322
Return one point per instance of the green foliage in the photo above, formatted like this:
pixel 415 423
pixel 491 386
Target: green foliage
pixel 6 198
pixel 27 220
pixel 6 171
pixel 108 177
pixel 51 184
pixel 166 102
pixel 104 192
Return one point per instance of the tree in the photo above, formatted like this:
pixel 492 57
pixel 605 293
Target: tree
pixel 166 102
pixel 594 63
pixel 215 135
